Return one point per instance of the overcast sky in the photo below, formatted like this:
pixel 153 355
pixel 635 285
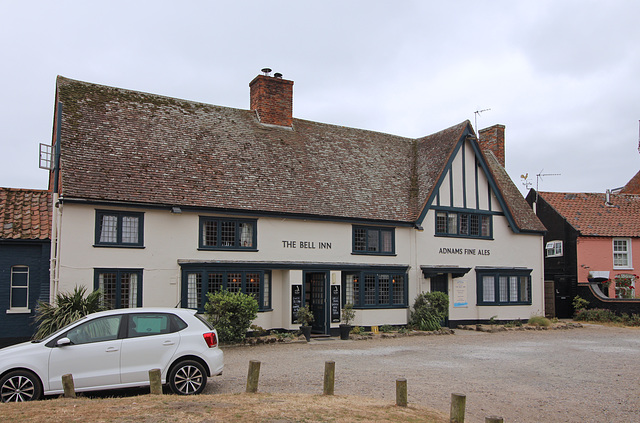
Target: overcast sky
pixel 563 76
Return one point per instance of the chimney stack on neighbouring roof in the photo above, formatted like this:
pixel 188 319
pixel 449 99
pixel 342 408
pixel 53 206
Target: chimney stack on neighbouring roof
pixel 272 99
pixel 492 139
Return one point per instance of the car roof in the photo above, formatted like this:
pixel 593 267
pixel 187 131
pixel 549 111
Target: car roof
pixel 178 311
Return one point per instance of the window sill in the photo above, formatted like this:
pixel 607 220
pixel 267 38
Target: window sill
pixel 18 311
pixel 486 238
pixel 138 247
pixel 361 253
pixel 622 268
pixel 380 307
pixel 254 250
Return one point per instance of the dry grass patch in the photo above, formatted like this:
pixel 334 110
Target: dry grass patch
pixel 217 408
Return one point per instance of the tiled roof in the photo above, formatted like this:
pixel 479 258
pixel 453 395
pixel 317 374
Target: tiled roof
pixel 633 186
pixel 25 214
pixel 588 213
pixel 126 146
pixel 524 217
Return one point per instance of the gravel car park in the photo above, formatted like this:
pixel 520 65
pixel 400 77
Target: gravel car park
pixel 587 374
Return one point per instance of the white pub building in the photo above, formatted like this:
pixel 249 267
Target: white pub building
pixel 158 201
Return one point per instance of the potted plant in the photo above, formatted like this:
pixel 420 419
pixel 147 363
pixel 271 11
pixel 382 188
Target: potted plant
pixel 305 318
pixel 348 314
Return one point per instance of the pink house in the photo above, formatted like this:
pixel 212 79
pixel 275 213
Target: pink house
pixel 593 242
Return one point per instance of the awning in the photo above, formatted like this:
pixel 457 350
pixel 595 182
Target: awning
pixel 456 271
pixel 598 276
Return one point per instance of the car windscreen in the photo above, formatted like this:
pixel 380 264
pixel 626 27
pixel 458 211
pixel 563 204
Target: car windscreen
pixel 57 332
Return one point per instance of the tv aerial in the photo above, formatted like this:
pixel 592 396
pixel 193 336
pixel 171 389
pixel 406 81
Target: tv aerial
pixel 476 114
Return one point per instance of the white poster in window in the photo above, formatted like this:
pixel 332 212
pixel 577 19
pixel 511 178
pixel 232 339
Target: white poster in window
pixel 460 293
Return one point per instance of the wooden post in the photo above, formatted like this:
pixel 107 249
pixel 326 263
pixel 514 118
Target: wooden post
pixel 493 419
pixel 329 377
pixel 68 386
pixel 155 383
pixel 401 392
pixel 253 376
pixel 458 402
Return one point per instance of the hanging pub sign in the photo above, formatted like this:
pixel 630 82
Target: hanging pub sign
pixel 296 302
pixel 335 303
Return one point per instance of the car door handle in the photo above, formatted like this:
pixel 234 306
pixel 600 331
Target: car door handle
pixel 111 349
pixel 168 343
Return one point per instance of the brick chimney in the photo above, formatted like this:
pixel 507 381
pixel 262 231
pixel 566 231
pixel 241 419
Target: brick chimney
pixel 272 99
pixel 492 139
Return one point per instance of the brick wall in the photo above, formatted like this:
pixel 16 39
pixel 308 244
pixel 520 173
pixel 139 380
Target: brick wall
pixel 272 98
pixel 492 139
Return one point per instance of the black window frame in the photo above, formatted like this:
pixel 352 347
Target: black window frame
pixel 264 286
pixel 118 294
pixel 237 234
pixel 370 231
pixel 377 277
pixel 120 215
pixel 463 222
pixel 496 274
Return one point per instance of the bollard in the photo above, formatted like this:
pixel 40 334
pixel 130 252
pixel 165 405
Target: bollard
pixel 68 386
pixel 458 402
pixel 155 383
pixel 329 377
pixel 401 392
pixel 253 376
pixel 493 419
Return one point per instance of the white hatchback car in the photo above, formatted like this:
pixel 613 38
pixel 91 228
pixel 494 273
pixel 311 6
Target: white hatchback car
pixel 115 349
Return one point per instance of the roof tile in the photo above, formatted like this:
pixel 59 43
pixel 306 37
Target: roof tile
pixel 591 216
pixel 25 214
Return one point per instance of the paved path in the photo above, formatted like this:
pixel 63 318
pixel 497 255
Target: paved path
pixel 591 374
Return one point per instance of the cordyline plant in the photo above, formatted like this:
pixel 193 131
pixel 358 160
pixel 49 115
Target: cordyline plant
pixel 67 308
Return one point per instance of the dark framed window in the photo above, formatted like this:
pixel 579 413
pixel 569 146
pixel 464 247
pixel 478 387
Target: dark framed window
pixel 197 282
pixel 366 289
pixel 374 240
pixel 463 224
pixel 119 229
pixel 19 287
pixel 120 288
pixel 217 233
pixel 504 286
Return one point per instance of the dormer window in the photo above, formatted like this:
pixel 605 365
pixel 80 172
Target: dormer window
pixel 553 249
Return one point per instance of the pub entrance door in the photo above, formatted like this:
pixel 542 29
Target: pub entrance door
pixel 440 283
pixel 315 291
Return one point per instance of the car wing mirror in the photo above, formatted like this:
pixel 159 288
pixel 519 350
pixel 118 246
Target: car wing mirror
pixel 63 341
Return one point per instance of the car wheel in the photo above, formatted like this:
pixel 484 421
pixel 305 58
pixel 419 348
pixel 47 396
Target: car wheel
pixel 187 378
pixel 19 386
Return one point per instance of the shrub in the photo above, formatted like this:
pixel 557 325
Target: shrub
pixel 231 313
pixel 579 303
pixel 305 316
pixel 68 308
pixel 357 330
pixel 539 321
pixel 634 320
pixel 513 324
pixel 596 315
pixel 386 328
pixel 429 310
pixel 348 313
